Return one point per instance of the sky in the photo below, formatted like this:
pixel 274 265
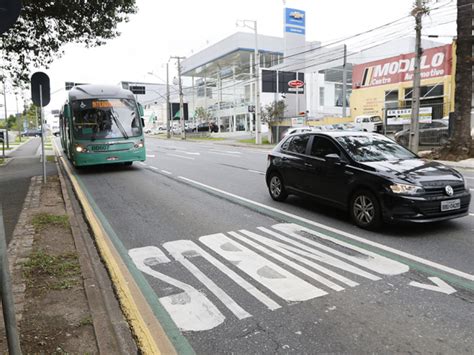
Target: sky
pixel 161 29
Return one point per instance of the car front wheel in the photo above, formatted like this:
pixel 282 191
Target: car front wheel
pixel 277 188
pixel 365 210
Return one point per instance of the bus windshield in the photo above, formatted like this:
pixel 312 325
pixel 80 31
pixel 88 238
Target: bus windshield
pixel 105 118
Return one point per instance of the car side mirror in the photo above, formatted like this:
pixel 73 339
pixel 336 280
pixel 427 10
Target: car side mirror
pixel 333 158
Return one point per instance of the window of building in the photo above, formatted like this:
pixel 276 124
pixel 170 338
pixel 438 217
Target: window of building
pixel 338 94
pixel 321 96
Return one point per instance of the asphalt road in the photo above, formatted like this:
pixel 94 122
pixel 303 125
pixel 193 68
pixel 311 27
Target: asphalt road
pixel 240 273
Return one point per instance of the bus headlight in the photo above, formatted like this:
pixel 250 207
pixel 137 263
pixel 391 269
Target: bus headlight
pixel 139 144
pixel 81 149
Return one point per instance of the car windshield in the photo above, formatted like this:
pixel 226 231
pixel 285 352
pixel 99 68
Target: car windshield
pixel 105 118
pixel 373 148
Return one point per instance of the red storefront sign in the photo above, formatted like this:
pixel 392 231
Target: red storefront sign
pixel 435 62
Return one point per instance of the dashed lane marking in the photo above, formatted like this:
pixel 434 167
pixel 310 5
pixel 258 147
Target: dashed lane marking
pixel 150 155
pixel 180 156
pixel 256 172
pixel 166 172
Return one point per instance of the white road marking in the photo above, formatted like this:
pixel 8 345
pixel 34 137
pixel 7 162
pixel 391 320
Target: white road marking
pixel 190 310
pixel 226 154
pixel 471 214
pixel 471 189
pixel 180 156
pixel 310 253
pixel 166 172
pixel 340 232
pixel 365 258
pixel 278 280
pixel 256 172
pixel 441 286
pixel 225 151
pixel 179 249
pixel 288 262
pixel 154 168
pixel 190 153
pixel 141 163
pixel 150 155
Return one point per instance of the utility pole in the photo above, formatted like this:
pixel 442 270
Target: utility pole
pixel 18 118
pixel 168 109
pixel 5 107
pixel 181 104
pixel 344 83
pixel 418 12
pixel 258 114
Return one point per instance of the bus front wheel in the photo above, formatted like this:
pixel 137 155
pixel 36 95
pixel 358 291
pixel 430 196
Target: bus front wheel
pixel 128 163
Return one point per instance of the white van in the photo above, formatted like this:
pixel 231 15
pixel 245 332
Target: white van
pixel 368 123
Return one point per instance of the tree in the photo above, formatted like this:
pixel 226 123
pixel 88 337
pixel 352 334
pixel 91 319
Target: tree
pixel 202 114
pixel 44 27
pixel 460 145
pixel 274 111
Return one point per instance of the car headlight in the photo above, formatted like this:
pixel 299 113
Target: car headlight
pixel 405 189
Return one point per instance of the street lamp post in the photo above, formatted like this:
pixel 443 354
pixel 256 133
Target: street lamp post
pixel 258 129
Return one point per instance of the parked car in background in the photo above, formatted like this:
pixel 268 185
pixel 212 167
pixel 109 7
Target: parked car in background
pixel 368 174
pixel 369 123
pixel 297 130
pixel 206 127
pixel 434 133
pixel 31 133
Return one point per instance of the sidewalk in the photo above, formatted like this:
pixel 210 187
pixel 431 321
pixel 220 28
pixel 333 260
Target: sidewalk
pixel 463 164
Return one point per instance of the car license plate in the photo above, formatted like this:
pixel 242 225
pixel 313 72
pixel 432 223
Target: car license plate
pixel 99 147
pixel 450 205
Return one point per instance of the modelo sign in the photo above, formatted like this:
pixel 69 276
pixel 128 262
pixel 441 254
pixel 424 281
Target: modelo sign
pixel 435 62
pixel 296 84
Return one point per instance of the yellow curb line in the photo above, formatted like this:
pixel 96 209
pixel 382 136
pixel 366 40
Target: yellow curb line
pixel 151 337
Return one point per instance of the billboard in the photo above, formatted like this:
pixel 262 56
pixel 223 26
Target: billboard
pixel 403 116
pixel 435 62
pixel 294 17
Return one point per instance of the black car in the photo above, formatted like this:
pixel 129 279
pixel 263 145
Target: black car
pixel 206 127
pixel 371 176
pixel 434 133
pixel 31 133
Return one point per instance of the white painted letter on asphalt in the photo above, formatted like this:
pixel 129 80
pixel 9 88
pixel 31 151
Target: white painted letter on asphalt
pixel 278 280
pixel 190 310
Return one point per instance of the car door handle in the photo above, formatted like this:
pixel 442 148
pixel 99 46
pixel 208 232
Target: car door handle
pixel 309 165
pixel 350 173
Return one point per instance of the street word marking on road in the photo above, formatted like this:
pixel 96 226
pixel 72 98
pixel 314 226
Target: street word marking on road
pixel 441 286
pixel 150 155
pixel 295 248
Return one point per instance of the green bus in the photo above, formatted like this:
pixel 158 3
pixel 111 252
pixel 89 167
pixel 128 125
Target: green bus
pixel 102 125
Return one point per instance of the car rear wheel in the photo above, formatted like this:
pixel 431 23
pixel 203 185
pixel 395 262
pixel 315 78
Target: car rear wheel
pixel 277 188
pixel 365 210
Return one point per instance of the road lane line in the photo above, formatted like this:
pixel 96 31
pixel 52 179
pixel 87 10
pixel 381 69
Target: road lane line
pixel 403 254
pixel 150 155
pixel 256 172
pixel 226 154
pixel 166 172
pixel 180 156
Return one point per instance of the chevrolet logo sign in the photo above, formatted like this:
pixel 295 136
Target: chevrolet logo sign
pixel 296 15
